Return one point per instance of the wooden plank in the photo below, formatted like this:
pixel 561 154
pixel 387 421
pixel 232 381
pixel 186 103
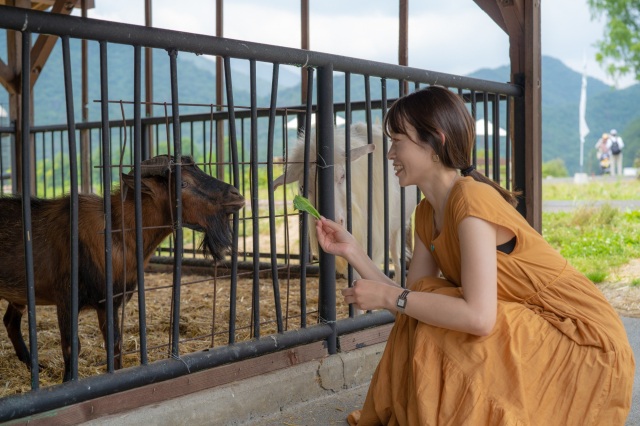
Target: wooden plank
pixel 363 338
pixel 532 53
pixel 8 78
pixel 174 388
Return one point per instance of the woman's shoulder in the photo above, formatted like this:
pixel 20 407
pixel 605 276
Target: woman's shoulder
pixel 472 191
pixel 477 199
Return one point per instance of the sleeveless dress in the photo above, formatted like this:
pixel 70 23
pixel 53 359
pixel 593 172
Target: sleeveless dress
pixel 558 354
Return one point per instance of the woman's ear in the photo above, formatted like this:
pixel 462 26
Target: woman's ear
pixel 442 137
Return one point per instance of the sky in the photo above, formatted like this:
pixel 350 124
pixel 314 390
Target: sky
pixel 454 37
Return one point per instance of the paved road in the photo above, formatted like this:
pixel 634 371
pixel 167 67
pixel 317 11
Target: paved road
pixel 556 206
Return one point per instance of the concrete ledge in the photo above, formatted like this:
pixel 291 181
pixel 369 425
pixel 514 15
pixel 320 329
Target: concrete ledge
pixel 238 402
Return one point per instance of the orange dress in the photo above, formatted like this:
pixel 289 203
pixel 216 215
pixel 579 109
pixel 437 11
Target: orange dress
pixel 558 354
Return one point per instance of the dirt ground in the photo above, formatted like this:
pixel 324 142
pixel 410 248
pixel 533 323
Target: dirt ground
pixel 624 297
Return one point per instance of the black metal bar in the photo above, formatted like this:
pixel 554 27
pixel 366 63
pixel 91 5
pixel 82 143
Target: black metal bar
pixel 519 152
pixel 347 147
pixel 367 111
pixel 385 188
pixel 18 406
pixel 361 322
pixel 272 208
pixel 178 232
pixel 508 156
pixel 106 190
pixel 233 145
pixel 27 230
pixel 474 114
pixel 304 224
pixel 255 305
pixel 19 19
pixel 73 167
pixel 326 201
pixel 496 138
pixel 139 148
pixel 485 105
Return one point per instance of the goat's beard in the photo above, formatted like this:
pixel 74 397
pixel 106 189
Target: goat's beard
pixel 217 237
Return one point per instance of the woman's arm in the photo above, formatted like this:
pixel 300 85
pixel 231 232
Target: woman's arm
pixel 335 239
pixel 422 263
pixel 474 313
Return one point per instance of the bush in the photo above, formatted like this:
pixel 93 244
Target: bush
pixel 554 168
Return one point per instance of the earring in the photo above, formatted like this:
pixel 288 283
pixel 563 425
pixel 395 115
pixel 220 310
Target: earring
pixel 435 158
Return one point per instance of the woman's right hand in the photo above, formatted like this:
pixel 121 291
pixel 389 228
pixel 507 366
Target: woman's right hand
pixel 334 239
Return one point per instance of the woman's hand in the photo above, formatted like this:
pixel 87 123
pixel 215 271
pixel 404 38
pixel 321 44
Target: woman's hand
pixel 334 238
pixel 369 294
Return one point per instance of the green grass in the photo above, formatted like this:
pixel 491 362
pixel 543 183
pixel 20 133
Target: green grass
pixel 597 190
pixel 595 240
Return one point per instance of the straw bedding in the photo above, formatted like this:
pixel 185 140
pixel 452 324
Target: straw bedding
pixel 204 318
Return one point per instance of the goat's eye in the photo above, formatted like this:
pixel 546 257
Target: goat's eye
pixel 185 184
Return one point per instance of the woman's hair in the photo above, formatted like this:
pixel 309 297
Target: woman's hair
pixel 436 110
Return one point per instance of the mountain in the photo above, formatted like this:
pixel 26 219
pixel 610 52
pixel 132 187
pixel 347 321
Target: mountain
pixel 607 107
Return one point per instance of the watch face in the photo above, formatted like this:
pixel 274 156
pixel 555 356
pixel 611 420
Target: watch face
pixel 402 303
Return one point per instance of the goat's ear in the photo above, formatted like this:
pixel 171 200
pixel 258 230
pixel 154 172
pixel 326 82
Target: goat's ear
pixel 362 151
pixel 288 177
pixel 129 180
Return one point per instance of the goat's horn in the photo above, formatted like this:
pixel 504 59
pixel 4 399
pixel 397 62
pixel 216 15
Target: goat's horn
pixel 156 166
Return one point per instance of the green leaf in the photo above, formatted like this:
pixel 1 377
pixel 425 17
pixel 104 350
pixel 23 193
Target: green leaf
pixel 302 204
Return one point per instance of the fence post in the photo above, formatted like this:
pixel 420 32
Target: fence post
pixel 324 123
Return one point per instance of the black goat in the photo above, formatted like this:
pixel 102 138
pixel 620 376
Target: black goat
pixel 207 204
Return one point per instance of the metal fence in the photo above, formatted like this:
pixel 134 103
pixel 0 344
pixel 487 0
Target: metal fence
pixel 245 145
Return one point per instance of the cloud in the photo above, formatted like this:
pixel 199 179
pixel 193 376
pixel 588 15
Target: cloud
pixel 454 37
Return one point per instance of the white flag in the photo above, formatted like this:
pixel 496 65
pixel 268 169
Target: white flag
pixel 584 129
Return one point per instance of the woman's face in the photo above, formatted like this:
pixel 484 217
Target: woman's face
pixel 409 156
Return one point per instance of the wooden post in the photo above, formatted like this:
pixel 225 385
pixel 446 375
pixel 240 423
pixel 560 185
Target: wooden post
pixel 148 152
pixel 403 38
pixel 85 154
pixel 14 54
pixel 219 94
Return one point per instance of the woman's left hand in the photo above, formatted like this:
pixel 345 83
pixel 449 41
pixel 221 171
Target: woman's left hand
pixel 368 294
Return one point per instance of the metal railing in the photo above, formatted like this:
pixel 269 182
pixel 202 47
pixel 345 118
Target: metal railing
pixel 256 143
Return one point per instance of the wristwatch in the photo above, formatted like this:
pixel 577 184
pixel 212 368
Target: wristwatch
pixel 401 303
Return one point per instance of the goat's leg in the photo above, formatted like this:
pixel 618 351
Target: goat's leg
pixel 12 319
pixel 64 324
pixel 117 343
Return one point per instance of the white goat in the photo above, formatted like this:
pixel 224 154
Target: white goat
pixel 359 192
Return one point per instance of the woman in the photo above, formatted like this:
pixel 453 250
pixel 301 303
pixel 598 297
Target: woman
pixel 496 328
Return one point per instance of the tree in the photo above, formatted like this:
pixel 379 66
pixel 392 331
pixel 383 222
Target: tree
pixel 619 50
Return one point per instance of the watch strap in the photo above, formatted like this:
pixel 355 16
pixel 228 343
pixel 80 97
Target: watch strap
pixel 401 302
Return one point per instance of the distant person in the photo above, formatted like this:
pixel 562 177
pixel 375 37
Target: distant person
pixel 615 148
pixel 495 327
pixel 603 153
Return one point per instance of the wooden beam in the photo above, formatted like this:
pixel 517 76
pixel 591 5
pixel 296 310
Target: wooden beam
pixel 520 19
pixel 491 8
pixel 45 43
pixel 531 55
pixel 8 78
